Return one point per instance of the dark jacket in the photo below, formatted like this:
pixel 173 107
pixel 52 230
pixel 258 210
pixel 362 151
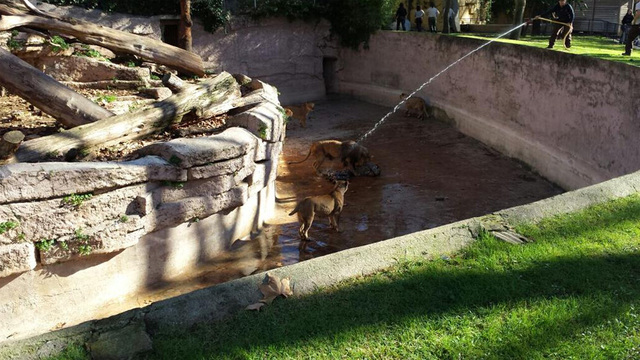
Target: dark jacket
pixel 563 13
pixel 401 13
pixel 627 19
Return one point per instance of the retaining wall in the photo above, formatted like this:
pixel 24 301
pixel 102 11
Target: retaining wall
pixel 68 257
pixel 574 119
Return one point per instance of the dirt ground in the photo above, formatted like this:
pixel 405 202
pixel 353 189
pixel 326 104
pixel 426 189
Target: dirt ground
pixel 430 175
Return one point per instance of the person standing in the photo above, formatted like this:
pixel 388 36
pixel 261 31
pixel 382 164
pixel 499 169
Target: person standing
pixel 401 16
pixel 419 15
pixel 626 23
pixel 432 16
pixel 634 31
pixel 562 12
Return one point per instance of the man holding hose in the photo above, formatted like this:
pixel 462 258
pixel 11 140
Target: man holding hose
pixel 634 31
pixel 562 22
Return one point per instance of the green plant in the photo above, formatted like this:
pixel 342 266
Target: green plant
pixel 124 218
pixel 63 244
pixel 175 160
pixel 174 184
pixel 84 152
pixel 130 63
pixel 21 236
pixel 44 245
pixel 105 98
pixel 154 77
pixel 14 44
pixel 58 43
pixel 262 131
pixel 7 225
pixel 76 200
pixel 80 236
pixel 84 249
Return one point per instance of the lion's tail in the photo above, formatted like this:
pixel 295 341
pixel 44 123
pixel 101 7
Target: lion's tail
pixel 297 208
pixel 311 148
pixel 425 114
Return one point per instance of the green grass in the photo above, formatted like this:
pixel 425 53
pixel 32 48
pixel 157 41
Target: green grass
pixel 593 46
pixel 574 293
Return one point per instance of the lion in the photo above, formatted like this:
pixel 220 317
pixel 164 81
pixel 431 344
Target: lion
pixel 330 205
pixel 349 152
pixel 300 112
pixel 415 106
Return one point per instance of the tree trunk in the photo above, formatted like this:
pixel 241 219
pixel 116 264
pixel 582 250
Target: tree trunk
pixel 118 41
pixel 519 14
pixel 65 105
pixel 10 142
pixel 185 25
pixel 13 7
pixel 446 28
pixel 219 92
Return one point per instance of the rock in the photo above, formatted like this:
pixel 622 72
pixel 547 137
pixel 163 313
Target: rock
pixel 160 93
pixel 122 343
pixel 16 258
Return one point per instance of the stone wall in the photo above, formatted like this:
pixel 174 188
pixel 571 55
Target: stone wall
pixel 287 55
pixel 78 239
pixel 574 119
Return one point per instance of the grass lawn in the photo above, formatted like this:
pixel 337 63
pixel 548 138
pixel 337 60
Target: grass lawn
pixel 594 46
pixel 573 293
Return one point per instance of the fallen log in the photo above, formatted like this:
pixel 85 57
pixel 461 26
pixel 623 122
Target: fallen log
pixel 65 105
pixel 219 92
pixel 115 40
pixel 10 142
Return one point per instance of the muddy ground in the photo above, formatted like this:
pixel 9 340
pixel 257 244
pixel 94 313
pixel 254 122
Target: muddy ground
pixel 431 175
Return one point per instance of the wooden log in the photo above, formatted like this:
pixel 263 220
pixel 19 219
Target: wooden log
pixel 65 105
pixel 173 82
pixel 13 7
pixel 10 142
pixel 219 92
pixel 115 40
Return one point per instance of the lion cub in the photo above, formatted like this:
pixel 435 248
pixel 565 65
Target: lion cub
pixel 415 106
pixel 300 112
pixel 330 205
pixel 348 151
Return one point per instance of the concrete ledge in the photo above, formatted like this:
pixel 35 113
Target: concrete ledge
pixel 220 301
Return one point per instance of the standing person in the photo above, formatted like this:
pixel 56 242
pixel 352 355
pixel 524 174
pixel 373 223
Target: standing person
pixel 626 23
pixel 452 21
pixel 432 16
pixel 562 12
pixel 401 16
pixel 634 31
pixel 419 15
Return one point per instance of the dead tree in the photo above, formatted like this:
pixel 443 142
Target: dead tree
pixel 185 25
pixel 115 40
pixel 212 97
pixel 65 105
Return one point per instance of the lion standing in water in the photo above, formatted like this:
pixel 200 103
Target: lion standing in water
pixel 348 151
pixel 330 205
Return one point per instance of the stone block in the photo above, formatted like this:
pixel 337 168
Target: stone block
pixel 187 153
pixel 221 167
pixel 160 93
pixel 263 174
pixel 16 258
pixel 268 151
pixel 123 343
pixel 105 238
pixel 198 207
pixel 22 181
pixel 86 69
pixel 56 218
pixel 265 121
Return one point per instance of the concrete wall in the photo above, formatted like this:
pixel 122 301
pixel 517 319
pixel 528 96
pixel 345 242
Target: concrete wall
pixel 574 119
pixel 287 55
pixel 147 222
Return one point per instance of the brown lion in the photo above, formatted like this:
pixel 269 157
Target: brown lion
pixel 299 112
pixel 328 205
pixel 349 152
pixel 415 106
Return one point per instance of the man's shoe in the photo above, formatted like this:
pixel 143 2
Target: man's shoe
pixel 549 47
pixel 626 54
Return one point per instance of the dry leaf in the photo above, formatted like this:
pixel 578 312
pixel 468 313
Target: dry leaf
pixel 285 287
pixel 274 288
pixel 256 306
